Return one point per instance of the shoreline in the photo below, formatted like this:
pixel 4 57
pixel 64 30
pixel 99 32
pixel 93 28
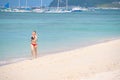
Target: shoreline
pixel 88 63
pixel 17 60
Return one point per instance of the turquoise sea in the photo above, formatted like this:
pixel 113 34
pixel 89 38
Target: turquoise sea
pixel 56 32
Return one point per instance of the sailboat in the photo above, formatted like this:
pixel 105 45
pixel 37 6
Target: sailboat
pixel 79 9
pixel 58 10
pixel 6 8
pixel 39 10
pixel 19 9
pixel 66 10
pixel 54 10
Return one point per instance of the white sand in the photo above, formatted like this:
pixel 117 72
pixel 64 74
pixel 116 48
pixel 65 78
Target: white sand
pixel 110 75
pixel 97 62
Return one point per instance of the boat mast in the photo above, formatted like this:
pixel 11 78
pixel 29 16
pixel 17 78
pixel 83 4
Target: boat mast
pixel 41 3
pixel 26 4
pixel 19 4
pixel 66 4
pixel 58 5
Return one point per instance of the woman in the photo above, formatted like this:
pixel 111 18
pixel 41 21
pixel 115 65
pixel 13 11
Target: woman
pixel 34 44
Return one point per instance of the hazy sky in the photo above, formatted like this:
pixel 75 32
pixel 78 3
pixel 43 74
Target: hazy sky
pixel 14 3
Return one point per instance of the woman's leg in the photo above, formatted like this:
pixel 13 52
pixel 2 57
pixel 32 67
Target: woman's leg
pixel 32 51
pixel 36 52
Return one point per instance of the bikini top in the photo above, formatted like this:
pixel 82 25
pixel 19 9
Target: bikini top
pixel 32 38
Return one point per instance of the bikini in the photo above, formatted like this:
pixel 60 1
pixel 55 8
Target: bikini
pixel 34 44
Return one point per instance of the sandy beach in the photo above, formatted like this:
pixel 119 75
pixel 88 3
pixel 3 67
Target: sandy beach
pixel 97 62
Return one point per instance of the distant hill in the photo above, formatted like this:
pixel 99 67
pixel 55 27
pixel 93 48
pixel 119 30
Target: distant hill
pixel 87 3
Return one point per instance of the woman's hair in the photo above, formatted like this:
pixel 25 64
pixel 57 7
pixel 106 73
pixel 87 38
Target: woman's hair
pixel 34 31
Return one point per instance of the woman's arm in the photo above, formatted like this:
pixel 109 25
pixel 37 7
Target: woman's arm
pixel 35 39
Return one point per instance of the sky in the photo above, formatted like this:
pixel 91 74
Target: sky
pixel 15 3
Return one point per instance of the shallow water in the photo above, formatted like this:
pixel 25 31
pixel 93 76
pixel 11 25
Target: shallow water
pixel 56 32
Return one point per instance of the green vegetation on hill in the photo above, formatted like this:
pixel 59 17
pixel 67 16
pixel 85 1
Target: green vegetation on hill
pixel 87 3
pixel 117 5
